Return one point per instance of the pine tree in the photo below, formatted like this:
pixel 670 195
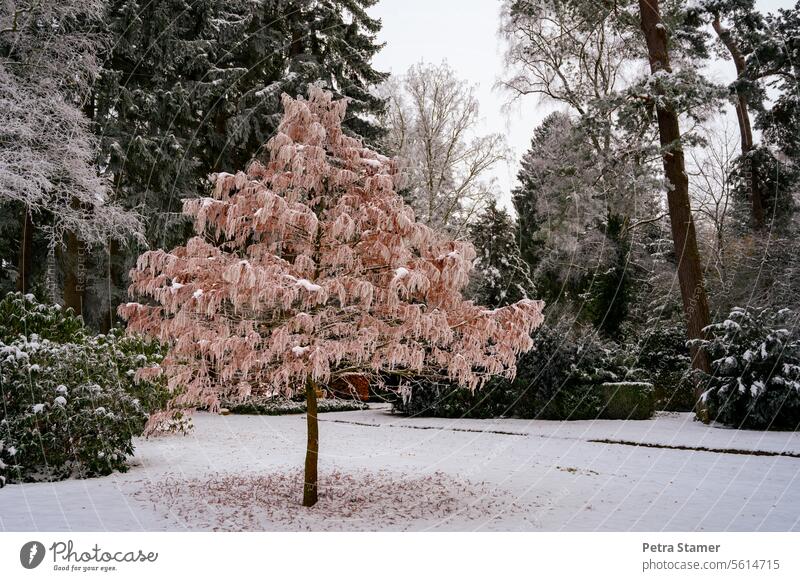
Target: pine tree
pixel 309 267
pixel 761 50
pixel 690 272
pixel 501 276
pixel 577 248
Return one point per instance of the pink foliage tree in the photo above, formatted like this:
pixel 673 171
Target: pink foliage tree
pixel 308 268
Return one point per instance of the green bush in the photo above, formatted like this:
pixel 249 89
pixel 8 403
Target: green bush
pixel 445 400
pixel 755 365
pixel 560 378
pixel 627 400
pixel 664 357
pixel 70 401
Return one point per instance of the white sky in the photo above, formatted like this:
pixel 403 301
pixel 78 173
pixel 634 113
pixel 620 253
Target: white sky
pixel 464 33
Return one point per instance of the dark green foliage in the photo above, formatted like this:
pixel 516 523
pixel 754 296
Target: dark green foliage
pixel 775 61
pixel 608 296
pixel 628 400
pixel 191 88
pixel 195 87
pixel 560 379
pixel 775 179
pixel 24 315
pixel 755 380
pixel 662 355
pixel 70 402
pixel 445 400
pixel 533 177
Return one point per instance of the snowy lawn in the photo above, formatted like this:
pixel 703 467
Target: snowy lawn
pixel 384 472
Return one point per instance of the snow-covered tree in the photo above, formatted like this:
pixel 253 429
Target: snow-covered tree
pixel 309 267
pixel 586 54
pixel 501 276
pixel 48 60
pixel 567 51
pixel 558 206
pixel 432 120
pixel 667 104
pixel 760 47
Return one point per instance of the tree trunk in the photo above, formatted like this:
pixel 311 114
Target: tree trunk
pixel 745 127
pixel 690 272
pixel 312 449
pixel 74 274
pixel 114 281
pixel 25 262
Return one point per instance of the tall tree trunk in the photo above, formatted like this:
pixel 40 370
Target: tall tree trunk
pixel 690 272
pixel 74 270
pixel 25 262
pixel 74 274
pixel 113 282
pixel 745 127
pixel 312 449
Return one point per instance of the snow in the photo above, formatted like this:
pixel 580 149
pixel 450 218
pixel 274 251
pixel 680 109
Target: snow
pixel 380 471
pixel 37 408
pixel 198 293
pixel 299 351
pixel 401 272
pixel 61 400
pixel 308 285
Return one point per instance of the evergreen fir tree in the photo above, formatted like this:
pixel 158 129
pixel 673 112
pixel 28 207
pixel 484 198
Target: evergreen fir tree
pixel 501 276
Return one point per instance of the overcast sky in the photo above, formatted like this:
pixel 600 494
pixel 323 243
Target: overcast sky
pixel 464 33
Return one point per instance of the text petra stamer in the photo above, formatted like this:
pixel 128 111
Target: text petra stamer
pixel 679 548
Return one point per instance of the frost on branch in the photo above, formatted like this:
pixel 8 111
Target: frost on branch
pixel 310 265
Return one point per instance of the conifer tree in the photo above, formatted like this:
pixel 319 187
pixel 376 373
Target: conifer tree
pixel 501 275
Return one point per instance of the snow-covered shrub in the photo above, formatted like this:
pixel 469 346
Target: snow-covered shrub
pixel 662 354
pixel 755 370
pixel 70 401
pixel 560 378
pixel 23 315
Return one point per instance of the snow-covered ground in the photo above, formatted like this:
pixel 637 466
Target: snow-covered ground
pixel 384 472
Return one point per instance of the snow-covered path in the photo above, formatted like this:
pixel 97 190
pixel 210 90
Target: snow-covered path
pixel 522 475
